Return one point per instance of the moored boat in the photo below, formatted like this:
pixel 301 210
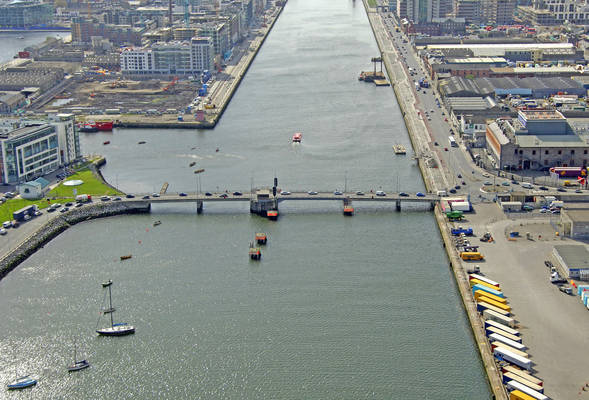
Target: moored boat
pixel 89 126
pixel 77 364
pixel 104 125
pixel 126 257
pixel 297 137
pixel 21 382
pixel 119 329
pixel 261 238
pixel 106 142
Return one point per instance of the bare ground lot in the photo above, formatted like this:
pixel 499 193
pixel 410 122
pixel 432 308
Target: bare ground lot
pixel 554 326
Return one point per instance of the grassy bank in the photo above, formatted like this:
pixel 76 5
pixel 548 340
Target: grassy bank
pixel 372 3
pixel 92 186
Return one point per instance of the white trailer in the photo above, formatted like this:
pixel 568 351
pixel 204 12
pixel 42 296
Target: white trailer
pixel 514 385
pixel 509 342
pixel 495 316
pixel 504 354
pixel 505 328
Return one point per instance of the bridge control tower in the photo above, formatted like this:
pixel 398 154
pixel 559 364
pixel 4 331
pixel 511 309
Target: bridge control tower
pixel 262 201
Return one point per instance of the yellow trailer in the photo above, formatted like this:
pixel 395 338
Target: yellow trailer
pixel 491 296
pixel 492 302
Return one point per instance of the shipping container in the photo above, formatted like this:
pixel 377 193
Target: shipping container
pixel 482 306
pixel 524 374
pixel 514 385
pixel 480 293
pixel 487 289
pixel 503 327
pixel 476 281
pixel 509 342
pixel 519 395
pixel 484 279
pixel 509 348
pixel 491 329
pixel 581 288
pixel 508 376
pixel 492 302
pixel 502 354
pixel 461 206
pixel 471 255
pixel 497 317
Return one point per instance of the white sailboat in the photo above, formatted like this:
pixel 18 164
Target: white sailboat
pixel 119 329
pixel 77 364
pixel 20 382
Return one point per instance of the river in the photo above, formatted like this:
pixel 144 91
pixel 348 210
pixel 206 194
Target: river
pixel 362 307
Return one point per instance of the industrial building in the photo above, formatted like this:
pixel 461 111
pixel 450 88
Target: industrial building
pixel 25 14
pixel 536 140
pixel 536 87
pixel 575 222
pixel 555 12
pixel 574 259
pixel 511 51
pixel 33 151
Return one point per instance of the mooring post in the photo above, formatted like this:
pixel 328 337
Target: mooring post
pixel 199 204
pixel 398 204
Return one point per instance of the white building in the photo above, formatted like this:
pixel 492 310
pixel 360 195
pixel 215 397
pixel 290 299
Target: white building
pixel 35 150
pixel 173 58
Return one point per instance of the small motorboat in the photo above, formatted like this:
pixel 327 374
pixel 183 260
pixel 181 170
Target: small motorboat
pixel 21 382
pixel 198 171
pixel 261 238
pixel 192 164
pixel 297 137
pixel 105 143
pixel 141 142
pixel 156 223
pixel 126 257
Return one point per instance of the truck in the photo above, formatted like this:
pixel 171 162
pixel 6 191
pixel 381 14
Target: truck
pixel 83 198
pixel 454 215
pixel 459 230
pixel 557 204
pixel 506 355
pixel 572 172
pixel 30 210
pixel 515 385
pixel 203 90
pixel 460 206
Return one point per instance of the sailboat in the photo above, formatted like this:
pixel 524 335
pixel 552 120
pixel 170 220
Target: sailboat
pixel 21 382
pixel 77 365
pixel 119 329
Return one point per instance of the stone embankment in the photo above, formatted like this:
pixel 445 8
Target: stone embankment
pixel 60 223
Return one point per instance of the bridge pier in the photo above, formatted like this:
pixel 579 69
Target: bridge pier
pixel 432 206
pixel 199 204
pixel 262 203
pixel 398 205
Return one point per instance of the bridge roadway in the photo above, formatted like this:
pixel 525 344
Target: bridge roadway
pixel 193 197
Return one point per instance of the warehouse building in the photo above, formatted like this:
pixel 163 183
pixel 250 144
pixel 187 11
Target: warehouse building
pixel 536 140
pixel 575 222
pixel 573 259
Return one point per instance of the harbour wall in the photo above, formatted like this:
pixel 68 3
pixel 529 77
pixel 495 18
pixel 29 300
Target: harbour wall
pixel 487 359
pixel 59 224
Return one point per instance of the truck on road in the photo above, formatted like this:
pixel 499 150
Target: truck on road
pixel 459 230
pixel 30 210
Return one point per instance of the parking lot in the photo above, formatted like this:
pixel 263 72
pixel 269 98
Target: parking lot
pixel 553 324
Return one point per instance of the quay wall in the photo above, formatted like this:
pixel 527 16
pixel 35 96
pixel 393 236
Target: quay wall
pixel 460 277
pixel 249 59
pixel 62 222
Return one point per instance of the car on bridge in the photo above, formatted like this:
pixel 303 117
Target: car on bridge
pixel 208 194
pixel 543 188
pixel 182 194
pixel 419 194
pixel 359 193
pixel 130 196
pixel 145 197
pixel 561 189
pixel 223 195
pixel 337 193
pixel 380 193
pixel 311 193
pixel 403 194
pixel 285 193
pixel 155 195
pixel 237 193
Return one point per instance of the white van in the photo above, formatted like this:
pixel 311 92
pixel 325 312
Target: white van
pixel 441 193
pixel 527 185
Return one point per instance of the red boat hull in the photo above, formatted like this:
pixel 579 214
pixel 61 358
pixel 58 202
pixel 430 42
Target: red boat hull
pixel 104 126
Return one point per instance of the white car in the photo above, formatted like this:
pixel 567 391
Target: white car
pixel 311 193
pixel 155 195
pixel 6 224
pixel 337 193
pixel 285 193
pixel 3 231
pixel 380 193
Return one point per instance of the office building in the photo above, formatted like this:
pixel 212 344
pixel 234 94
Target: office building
pixel 25 14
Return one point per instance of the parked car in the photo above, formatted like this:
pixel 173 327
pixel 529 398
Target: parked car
pixel 6 224
pixel 64 209
pixel 543 188
pixel 130 196
pixel 561 189
pixel 117 199
pixel 453 191
pixel 505 183
pixel 104 198
pixel 578 191
pixel 487 183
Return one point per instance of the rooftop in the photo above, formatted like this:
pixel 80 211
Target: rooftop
pixel 542 141
pixel 573 256
pixel 542 115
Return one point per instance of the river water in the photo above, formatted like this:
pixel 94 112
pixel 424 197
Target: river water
pixel 361 307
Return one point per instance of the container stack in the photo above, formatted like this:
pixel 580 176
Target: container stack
pixel 582 292
pixel 506 341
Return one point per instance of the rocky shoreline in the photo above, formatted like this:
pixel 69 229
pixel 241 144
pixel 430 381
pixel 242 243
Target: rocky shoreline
pixel 62 222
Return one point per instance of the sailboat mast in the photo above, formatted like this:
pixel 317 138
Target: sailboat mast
pixel 110 306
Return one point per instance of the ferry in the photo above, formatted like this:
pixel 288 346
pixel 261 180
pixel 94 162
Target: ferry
pixel 297 137
pixel 89 126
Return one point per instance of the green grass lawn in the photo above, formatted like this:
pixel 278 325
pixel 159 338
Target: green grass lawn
pixel 372 3
pixel 92 186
